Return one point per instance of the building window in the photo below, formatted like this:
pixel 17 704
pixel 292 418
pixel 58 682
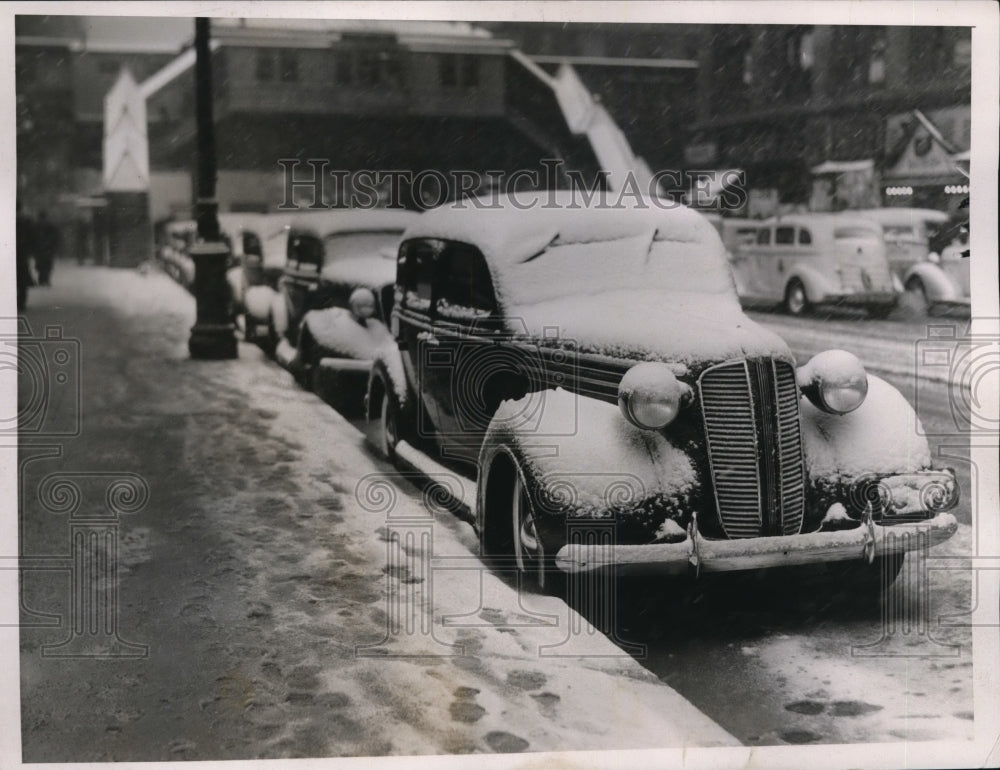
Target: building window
pixel 265 65
pixel 378 68
pixel 962 55
pixel 459 71
pixel 289 66
pixel 876 65
pixel 344 68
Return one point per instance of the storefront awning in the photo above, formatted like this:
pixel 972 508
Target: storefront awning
pixel 843 166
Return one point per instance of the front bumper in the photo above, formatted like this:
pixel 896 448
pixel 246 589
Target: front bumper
pixel 904 501
pixel 866 540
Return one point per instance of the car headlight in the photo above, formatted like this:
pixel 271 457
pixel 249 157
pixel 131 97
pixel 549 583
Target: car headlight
pixel 650 396
pixel 834 380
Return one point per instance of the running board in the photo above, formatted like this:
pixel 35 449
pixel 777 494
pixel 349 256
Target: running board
pixel 460 489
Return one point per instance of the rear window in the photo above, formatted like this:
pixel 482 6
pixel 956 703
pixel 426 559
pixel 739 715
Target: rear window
pixel 467 289
pixel 784 235
pixel 381 245
pixel 305 252
pixel 252 245
pixel 418 261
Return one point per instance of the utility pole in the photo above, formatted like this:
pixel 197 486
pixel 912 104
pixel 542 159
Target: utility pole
pixel 213 334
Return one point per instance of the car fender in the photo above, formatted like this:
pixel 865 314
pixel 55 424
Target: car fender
pixel 582 458
pixel 257 302
pixel 387 371
pixel 882 436
pixel 278 313
pixel 937 285
pixel 334 329
pixel 817 285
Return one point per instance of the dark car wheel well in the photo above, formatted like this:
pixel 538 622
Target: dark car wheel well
pixel 376 392
pixel 495 525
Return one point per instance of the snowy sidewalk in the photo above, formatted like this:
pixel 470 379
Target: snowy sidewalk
pixel 298 596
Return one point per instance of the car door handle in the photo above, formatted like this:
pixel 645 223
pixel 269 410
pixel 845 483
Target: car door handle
pixel 429 338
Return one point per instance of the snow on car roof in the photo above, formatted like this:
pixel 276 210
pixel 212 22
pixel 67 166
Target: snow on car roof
pixel 327 221
pixel 902 215
pixel 825 222
pixel 544 245
pixel 637 281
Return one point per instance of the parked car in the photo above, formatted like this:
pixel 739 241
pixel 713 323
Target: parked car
pixel 802 260
pixel 908 233
pixel 592 370
pixel 736 233
pixel 955 264
pixel 241 231
pixel 334 296
pixel 178 238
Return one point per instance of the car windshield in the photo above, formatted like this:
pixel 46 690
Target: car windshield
pixel 641 262
pixel 381 244
pixel 901 233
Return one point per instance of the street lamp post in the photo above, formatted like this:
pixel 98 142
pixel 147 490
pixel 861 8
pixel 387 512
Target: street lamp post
pixel 213 334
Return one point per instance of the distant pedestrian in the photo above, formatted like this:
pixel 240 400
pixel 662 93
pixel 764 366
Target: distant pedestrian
pixel 82 233
pixel 25 250
pixel 46 248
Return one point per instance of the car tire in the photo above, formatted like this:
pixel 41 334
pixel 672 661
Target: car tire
pixel 917 292
pixel 796 299
pixel 868 581
pixel 270 342
pixel 249 329
pixel 509 529
pixel 389 417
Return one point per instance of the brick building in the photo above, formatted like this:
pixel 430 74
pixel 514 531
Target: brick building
pixel 780 101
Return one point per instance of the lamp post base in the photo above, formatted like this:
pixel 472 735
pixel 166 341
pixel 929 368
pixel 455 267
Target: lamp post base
pixel 212 342
pixel 213 336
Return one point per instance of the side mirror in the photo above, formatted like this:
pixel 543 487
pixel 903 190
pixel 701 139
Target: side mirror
pixel 362 304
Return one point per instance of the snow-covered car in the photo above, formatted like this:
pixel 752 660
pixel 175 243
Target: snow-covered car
pixel 328 314
pixel 593 371
pixel 801 260
pixel 928 281
pixel 242 233
pixel 178 237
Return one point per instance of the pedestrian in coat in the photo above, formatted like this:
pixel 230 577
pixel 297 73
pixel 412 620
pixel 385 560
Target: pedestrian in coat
pixel 47 246
pixel 25 250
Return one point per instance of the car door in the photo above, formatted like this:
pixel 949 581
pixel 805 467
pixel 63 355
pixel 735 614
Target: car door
pixel 759 258
pixel 417 270
pixel 301 277
pixel 739 241
pixel 469 371
pixel 784 255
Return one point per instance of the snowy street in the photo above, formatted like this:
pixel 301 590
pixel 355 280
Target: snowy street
pixel 281 619
pixel 299 597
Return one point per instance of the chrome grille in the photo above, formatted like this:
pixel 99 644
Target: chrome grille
pixel 751 416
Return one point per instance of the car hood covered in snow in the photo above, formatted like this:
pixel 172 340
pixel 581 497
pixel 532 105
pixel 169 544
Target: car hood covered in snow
pixel 684 327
